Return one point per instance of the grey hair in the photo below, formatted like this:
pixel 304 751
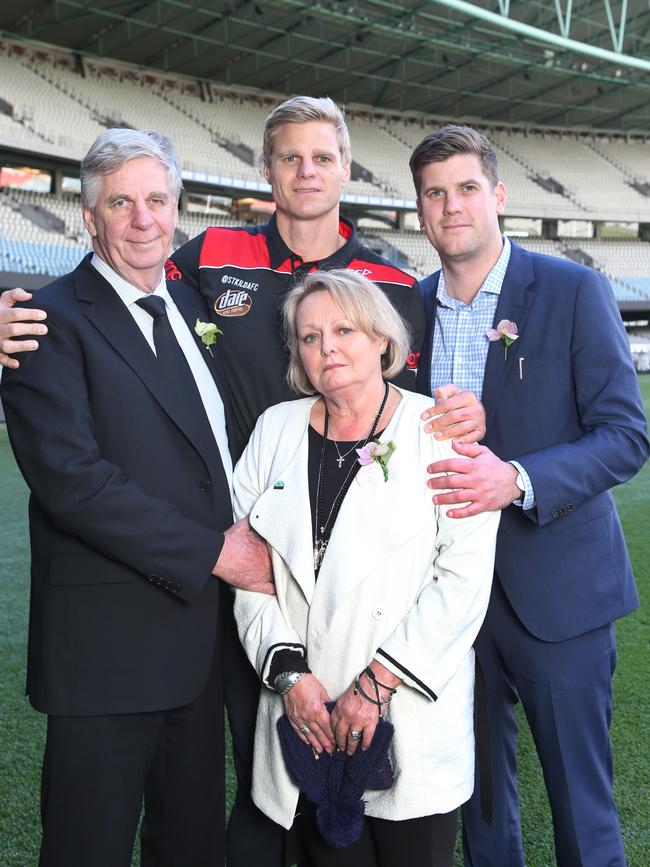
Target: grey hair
pixel 113 148
pixel 363 303
pixel 304 109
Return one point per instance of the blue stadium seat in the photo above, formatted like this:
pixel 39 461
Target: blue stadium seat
pixel 32 258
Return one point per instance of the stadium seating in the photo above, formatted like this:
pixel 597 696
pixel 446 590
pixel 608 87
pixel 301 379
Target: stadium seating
pixel 596 186
pixel 32 258
pixel 56 106
pixel 59 110
pixel 33 249
pixel 421 258
pixel 47 113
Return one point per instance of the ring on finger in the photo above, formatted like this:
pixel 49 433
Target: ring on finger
pixel 304 730
pixel 354 735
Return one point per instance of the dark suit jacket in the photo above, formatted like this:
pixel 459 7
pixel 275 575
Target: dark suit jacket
pixel 575 421
pixel 128 501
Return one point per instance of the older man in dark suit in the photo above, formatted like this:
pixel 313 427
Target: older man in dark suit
pixel 119 427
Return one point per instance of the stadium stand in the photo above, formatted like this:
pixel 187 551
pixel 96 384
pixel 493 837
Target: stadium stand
pixel 578 173
pixel 48 113
pixel 54 104
pixel 626 263
pixel 409 249
pixel 192 224
pixel 221 136
pixel 59 107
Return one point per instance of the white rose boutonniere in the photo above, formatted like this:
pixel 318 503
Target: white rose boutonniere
pixel 207 331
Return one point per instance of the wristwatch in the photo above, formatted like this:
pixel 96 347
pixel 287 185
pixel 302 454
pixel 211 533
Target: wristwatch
pixel 286 679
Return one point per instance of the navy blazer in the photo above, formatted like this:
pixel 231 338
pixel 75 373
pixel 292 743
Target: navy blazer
pixel 128 501
pixel 565 403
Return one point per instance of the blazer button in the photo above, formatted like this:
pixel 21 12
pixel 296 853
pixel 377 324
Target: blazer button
pixel 206 486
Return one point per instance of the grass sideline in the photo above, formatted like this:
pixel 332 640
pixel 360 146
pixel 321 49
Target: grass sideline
pixel 22 729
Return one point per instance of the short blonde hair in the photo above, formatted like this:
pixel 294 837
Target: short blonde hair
pixel 305 109
pixel 363 303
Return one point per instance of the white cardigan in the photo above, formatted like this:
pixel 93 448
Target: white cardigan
pixel 398 575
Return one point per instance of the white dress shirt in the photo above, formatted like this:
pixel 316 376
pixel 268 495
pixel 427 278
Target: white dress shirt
pixel 208 390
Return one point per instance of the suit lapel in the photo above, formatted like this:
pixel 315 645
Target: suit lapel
pixel 112 319
pixel 275 515
pixel 191 307
pixel 514 302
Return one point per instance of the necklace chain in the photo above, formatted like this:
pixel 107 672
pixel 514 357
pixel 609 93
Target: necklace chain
pixel 322 527
pixel 341 458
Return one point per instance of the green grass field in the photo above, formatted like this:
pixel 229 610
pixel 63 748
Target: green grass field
pixel 22 730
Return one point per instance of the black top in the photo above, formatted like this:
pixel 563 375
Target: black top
pixel 333 475
pixel 333 478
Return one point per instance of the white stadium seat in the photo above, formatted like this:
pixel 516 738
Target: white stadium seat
pixel 57 111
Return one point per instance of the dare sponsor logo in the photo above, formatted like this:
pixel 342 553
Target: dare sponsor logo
pixel 234 302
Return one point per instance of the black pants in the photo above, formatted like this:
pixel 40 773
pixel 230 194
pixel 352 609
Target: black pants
pixel 97 770
pixel 253 840
pixel 425 842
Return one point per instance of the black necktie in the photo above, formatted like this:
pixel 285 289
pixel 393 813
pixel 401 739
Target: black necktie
pixel 171 360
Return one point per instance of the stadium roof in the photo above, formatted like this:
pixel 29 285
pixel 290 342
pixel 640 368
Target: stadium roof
pixel 570 63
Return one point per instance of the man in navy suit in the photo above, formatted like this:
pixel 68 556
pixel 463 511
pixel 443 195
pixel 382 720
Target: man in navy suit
pixel 119 427
pixel 564 425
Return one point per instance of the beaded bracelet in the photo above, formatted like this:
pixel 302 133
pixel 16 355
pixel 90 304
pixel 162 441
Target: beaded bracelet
pixel 370 674
pixel 378 701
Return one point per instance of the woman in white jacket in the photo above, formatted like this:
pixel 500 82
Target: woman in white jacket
pixel 379 594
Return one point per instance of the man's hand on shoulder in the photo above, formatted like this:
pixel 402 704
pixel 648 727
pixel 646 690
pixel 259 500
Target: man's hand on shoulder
pixel 245 561
pixel 458 414
pixel 485 483
pixel 17 322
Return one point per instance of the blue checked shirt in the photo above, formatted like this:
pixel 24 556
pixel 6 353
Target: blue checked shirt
pixel 460 343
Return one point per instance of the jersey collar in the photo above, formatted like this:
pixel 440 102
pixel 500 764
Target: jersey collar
pixel 280 254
